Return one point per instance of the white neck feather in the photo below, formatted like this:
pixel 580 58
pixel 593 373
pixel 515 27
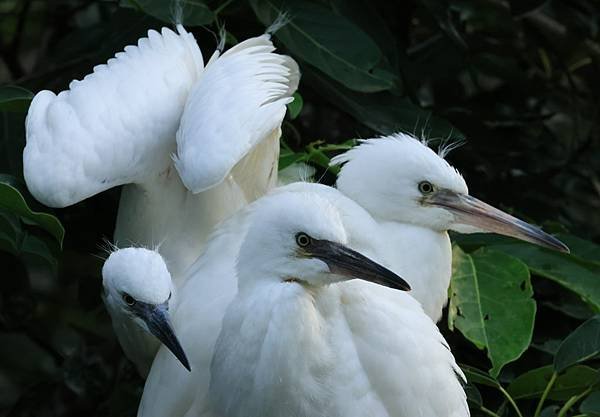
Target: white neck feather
pixel 273 356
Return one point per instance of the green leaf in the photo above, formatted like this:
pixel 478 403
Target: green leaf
pixel 581 345
pixel 578 275
pixel 582 248
pixel 477 376
pixel 383 112
pixel 491 304
pixel 473 395
pixel 591 405
pixel 187 12
pixel 322 38
pixel 578 271
pixel 33 247
pixel 288 157
pixel 295 107
pixel 364 14
pixel 12 201
pixel 14 98
pixel 532 383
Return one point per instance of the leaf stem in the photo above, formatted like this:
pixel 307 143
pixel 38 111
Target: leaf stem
pixel 510 400
pixel 221 7
pixel 549 386
pixel 488 411
pixel 572 401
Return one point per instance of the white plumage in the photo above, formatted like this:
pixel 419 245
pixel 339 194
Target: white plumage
pixel 114 127
pixel 249 70
pixel 122 123
pixel 348 349
pixel 142 275
pixel 385 176
pixel 409 223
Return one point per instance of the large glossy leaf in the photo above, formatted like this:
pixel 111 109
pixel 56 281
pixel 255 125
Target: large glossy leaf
pixel 578 271
pixel 581 345
pixel 383 112
pixel 12 201
pixel 574 381
pixel 320 37
pixel 187 12
pixel 591 405
pixel 491 304
pixel 578 275
pixel 582 248
pixel 365 15
pixel 14 98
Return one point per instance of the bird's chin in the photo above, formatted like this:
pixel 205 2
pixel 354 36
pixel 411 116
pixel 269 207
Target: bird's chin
pixel 465 228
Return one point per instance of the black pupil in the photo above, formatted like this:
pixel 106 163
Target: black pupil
pixel 426 187
pixel 303 240
pixel 129 299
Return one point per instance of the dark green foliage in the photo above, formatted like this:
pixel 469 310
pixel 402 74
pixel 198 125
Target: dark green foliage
pixel 517 79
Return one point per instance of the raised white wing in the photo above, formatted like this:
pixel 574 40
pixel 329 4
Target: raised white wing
pixel 239 100
pixel 116 126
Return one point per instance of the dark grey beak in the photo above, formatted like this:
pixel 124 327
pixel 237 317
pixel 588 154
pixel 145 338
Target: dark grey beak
pixel 345 261
pixel 473 212
pixel 156 318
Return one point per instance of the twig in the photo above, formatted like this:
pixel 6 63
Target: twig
pixel 572 401
pixel 549 386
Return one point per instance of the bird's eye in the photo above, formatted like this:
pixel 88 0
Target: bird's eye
pixel 129 300
pixel 303 240
pixel 425 187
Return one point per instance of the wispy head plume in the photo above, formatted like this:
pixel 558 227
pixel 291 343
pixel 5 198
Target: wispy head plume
pixel 106 247
pixel 446 144
pixel 222 38
pixel 282 19
pixel 177 12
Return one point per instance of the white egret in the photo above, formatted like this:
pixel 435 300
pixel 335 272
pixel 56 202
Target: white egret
pixel 124 123
pixel 415 196
pixel 138 293
pixel 395 356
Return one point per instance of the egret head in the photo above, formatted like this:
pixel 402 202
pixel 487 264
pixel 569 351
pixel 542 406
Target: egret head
pixel 138 285
pixel 299 237
pixel 399 178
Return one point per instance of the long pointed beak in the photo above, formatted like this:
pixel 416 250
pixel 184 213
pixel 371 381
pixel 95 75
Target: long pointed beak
pixel 347 262
pixel 157 320
pixel 483 217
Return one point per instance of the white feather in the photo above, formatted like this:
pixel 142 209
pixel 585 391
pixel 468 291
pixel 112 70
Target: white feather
pixel 238 101
pixel 114 127
pixel 118 126
pixel 386 357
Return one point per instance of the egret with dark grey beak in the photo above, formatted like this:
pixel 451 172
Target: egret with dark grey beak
pixel 138 291
pixel 291 311
pixel 308 334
